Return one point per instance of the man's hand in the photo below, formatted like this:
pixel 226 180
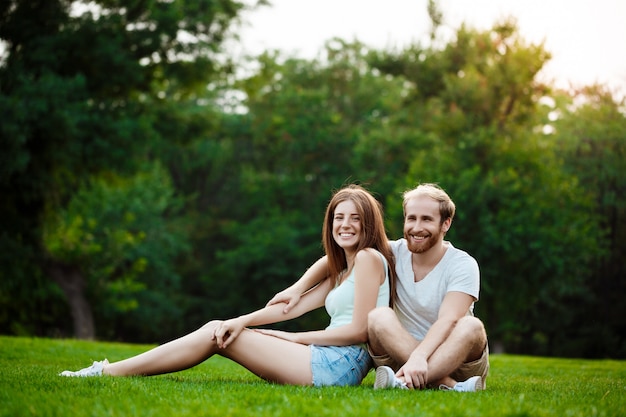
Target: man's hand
pixel 414 372
pixel 288 296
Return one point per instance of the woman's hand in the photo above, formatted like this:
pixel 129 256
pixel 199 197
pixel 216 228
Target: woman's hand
pixel 290 297
pixel 292 337
pixel 227 331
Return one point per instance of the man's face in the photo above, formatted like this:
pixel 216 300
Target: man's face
pixel 422 224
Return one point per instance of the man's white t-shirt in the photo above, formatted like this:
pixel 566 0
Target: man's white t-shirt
pixel 417 304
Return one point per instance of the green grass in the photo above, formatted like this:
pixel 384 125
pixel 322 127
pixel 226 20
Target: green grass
pixel 517 386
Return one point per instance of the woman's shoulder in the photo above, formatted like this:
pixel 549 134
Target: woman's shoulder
pixel 369 255
pixel 373 262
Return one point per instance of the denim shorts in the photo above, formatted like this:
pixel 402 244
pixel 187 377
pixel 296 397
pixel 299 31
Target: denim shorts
pixel 339 365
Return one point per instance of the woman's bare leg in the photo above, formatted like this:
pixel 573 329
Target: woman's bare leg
pixel 271 358
pixel 268 357
pixel 177 355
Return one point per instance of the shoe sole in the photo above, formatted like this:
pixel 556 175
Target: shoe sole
pixel 480 384
pixel 382 378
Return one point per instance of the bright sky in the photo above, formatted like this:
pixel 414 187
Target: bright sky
pixel 587 38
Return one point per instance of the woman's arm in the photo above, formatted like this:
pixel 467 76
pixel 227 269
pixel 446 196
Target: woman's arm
pixel 290 296
pixel 230 329
pixel 369 273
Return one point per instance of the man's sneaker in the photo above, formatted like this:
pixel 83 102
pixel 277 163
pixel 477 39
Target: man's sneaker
pixel 386 378
pixel 93 370
pixel 473 384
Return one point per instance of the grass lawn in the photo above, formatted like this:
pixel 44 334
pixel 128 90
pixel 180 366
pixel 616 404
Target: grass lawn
pixel 517 386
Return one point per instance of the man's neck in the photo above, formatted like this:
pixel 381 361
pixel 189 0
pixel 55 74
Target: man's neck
pixel 424 262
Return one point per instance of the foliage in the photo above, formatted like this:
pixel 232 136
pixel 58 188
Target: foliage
pixel 517 385
pixel 519 214
pixel 81 86
pixel 122 235
pixel 261 205
pixel 591 137
pixel 140 167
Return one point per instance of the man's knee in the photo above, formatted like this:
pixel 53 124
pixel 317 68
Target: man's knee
pixel 377 323
pixel 379 318
pixel 471 327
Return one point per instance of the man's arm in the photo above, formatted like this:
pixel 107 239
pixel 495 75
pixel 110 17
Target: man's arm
pixel 454 306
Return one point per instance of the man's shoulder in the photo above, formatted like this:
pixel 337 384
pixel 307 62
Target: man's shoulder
pixel 398 245
pixel 456 255
pixel 456 251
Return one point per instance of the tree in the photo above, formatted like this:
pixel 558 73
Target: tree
pixel 113 234
pixel 267 172
pixel 479 134
pixel 591 137
pixel 80 85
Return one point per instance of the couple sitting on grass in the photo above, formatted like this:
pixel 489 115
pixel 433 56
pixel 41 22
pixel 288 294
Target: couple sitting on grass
pixel 414 323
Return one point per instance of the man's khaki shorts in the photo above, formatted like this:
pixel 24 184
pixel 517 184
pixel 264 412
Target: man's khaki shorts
pixel 478 367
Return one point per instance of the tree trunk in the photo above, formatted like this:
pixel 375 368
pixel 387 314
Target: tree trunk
pixel 72 282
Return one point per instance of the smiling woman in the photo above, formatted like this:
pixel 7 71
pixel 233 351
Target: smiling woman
pixel 430 338
pixel 352 212
pixel 359 260
pixel 346 226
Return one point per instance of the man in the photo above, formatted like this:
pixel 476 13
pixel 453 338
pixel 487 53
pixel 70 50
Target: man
pixel 430 338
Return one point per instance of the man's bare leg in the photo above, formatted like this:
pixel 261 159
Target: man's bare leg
pixel 387 336
pixel 465 344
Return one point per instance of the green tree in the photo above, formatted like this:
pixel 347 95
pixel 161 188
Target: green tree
pixel 268 170
pixel 113 241
pixel 479 134
pixel 81 85
pixel 591 136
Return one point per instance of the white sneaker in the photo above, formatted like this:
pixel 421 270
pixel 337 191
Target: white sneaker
pixel 386 378
pixel 473 384
pixel 93 370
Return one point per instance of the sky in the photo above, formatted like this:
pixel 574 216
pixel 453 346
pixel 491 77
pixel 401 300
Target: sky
pixel 587 38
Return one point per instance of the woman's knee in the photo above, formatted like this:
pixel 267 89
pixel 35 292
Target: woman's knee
pixel 210 327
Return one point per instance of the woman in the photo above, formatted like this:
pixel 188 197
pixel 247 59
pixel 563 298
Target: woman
pixel 357 257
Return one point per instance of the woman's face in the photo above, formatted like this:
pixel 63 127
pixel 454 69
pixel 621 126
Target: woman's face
pixel 346 225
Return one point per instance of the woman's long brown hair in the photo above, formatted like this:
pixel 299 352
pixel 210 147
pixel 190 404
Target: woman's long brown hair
pixel 372 232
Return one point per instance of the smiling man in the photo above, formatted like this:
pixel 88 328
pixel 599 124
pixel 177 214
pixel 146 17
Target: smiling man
pixel 430 339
